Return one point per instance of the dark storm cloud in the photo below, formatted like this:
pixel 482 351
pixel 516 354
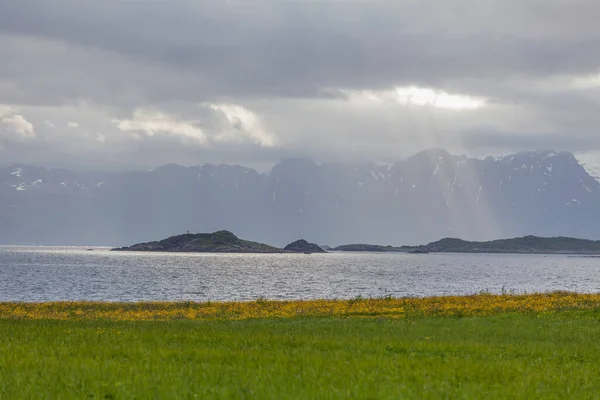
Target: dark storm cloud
pixel 293 66
pixel 297 47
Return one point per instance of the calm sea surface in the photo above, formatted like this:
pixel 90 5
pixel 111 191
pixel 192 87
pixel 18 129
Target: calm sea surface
pixel 44 274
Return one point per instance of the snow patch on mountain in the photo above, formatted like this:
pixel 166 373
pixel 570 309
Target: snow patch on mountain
pixel 591 163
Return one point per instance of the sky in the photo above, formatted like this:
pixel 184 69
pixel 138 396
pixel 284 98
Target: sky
pixel 120 84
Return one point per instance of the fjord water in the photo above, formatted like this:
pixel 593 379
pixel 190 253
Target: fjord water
pixel 51 274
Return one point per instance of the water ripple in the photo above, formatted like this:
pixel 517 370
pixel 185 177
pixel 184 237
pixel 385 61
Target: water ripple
pixel 47 274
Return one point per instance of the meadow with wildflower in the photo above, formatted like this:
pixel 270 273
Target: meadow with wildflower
pixel 482 304
pixel 483 346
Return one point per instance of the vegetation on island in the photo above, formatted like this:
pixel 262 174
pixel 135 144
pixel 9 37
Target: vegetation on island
pixel 227 242
pixel 519 347
pixel 527 244
pixel 524 245
pixel 217 242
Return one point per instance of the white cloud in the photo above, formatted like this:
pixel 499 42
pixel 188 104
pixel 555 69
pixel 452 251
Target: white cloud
pixel 243 123
pixel 49 124
pixel 73 124
pixel 587 82
pixel 438 99
pixel 6 110
pixel 19 125
pixel 212 123
pixel 411 95
pixel 152 122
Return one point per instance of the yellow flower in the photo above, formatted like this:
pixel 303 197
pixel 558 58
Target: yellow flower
pixel 476 305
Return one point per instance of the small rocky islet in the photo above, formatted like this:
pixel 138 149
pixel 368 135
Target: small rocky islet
pixel 302 246
pixel 218 242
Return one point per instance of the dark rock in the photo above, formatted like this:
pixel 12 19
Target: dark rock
pixel 302 246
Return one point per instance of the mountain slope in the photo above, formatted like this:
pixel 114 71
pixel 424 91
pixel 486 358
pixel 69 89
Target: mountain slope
pixel 430 195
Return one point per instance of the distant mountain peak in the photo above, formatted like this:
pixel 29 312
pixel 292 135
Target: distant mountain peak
pixel 430 195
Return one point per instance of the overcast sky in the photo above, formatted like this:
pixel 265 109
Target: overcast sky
pixel 123 84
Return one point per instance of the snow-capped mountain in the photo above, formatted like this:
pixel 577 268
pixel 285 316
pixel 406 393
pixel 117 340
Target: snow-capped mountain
pixel 429 196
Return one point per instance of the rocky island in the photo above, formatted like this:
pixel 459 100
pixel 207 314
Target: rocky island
pixel 520 245
pixel 218 242
pixel 227 242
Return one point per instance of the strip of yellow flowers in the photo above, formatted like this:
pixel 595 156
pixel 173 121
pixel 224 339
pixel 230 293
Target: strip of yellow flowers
pixel 448 306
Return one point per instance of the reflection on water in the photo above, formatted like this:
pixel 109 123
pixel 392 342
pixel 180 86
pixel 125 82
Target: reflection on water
pixel 44 274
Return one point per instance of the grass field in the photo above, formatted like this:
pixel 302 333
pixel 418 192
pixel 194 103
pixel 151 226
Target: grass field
pixel 553 353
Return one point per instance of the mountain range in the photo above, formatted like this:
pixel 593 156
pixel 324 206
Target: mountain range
pixel 428 196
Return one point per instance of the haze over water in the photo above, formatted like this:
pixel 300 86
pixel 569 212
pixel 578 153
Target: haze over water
pixel 50 274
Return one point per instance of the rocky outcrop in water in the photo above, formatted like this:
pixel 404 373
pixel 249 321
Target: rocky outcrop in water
pixel 302 246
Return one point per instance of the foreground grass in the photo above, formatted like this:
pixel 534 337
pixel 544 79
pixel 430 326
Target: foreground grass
pixel 483 346
pixel 502 356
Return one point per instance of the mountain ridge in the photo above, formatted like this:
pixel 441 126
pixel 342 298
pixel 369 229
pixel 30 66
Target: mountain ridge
pixel 429 195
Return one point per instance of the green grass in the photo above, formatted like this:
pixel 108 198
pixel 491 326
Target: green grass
pixel 504 356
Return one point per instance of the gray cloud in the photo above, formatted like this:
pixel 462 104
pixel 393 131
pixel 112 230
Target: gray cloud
pixel 296 47
pixel 103 63
pixel 492 140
